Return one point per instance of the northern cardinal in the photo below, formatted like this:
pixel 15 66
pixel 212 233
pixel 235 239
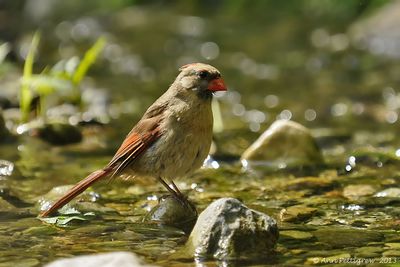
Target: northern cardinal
pixel 171 140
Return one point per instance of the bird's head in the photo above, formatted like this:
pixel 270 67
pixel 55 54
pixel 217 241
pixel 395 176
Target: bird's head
pixel 201 79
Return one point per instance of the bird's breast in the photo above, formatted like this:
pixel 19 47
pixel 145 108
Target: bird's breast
pixel 182 147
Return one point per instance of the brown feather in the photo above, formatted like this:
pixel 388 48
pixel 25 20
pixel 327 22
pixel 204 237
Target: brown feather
pixel 138 140
pixel 76 190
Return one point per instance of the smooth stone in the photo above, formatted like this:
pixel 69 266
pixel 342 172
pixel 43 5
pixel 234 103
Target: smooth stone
pixel 391 253
pixel 112 259
pixel 314 183
pixel 359 190
pixel 293 234
pixel 284 144
pixel 227 229
pixel 341 238
pixel 173 212
pixel 297 213
pixel 393 192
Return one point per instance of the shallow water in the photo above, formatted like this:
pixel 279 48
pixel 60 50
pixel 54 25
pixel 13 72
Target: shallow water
pixel 275 68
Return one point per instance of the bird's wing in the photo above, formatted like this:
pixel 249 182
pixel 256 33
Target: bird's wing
pixel 143 135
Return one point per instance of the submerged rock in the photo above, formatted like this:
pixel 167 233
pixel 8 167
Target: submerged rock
pixel 173 212
pixel 284 143
pixel 341 238
pixel 359 190
pixel 297 213
pixel 120 259
pixel 315 184
pixel 227 229
pixel 60 133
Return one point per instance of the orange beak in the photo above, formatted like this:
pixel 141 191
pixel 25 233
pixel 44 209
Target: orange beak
pixel 217 85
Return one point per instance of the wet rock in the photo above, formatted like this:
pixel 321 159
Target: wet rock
pixel 173 212
pixel 341 238
pixel 393 245
pixel 368 252
pixel 284 143
pixel 227 229
pixel 392 192
pixel 357 191
pixel 391 253
pixel 5 206
pixel 293 234
pixel 59 133
pixel 297 213
pixel 315 184
pixel 373 157
pixel 120 259
pixel 6 168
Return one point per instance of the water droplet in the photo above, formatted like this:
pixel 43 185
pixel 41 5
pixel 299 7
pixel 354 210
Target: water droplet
pixel 310 114
pixel 339 109
pixel 271 101
pixel 209 50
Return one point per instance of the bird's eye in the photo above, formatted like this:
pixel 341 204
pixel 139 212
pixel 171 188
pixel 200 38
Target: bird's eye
pixel 203 74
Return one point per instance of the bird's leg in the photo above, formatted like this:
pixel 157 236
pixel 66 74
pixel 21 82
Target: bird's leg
pixel 176 189
pixel 181 197
pixel 172 191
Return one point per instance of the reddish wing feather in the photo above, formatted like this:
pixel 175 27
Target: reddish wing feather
pixel 76 190
pixel 145 133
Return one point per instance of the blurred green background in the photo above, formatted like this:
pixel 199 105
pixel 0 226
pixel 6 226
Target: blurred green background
pixel 314 61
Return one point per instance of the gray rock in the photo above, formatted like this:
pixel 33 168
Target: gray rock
pixel 173 212
pixel 379 33
pixel 120 259
pixel 227 229
pixel 284 143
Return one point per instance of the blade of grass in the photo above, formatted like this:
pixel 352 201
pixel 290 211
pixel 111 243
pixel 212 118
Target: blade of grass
pixel 88 60
pixel 25 93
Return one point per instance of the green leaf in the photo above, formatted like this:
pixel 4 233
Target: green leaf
pixel 46 84
pixel 25 93
pixel 63 220
pixel 88 60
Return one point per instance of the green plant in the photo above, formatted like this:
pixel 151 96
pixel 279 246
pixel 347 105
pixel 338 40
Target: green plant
pixel 63 79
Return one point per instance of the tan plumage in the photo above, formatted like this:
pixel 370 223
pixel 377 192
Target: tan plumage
pixel 171 140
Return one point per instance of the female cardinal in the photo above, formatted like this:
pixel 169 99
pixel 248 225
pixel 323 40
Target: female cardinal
pixel 172 139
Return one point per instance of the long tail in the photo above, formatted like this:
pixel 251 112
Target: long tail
pixel 77 189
